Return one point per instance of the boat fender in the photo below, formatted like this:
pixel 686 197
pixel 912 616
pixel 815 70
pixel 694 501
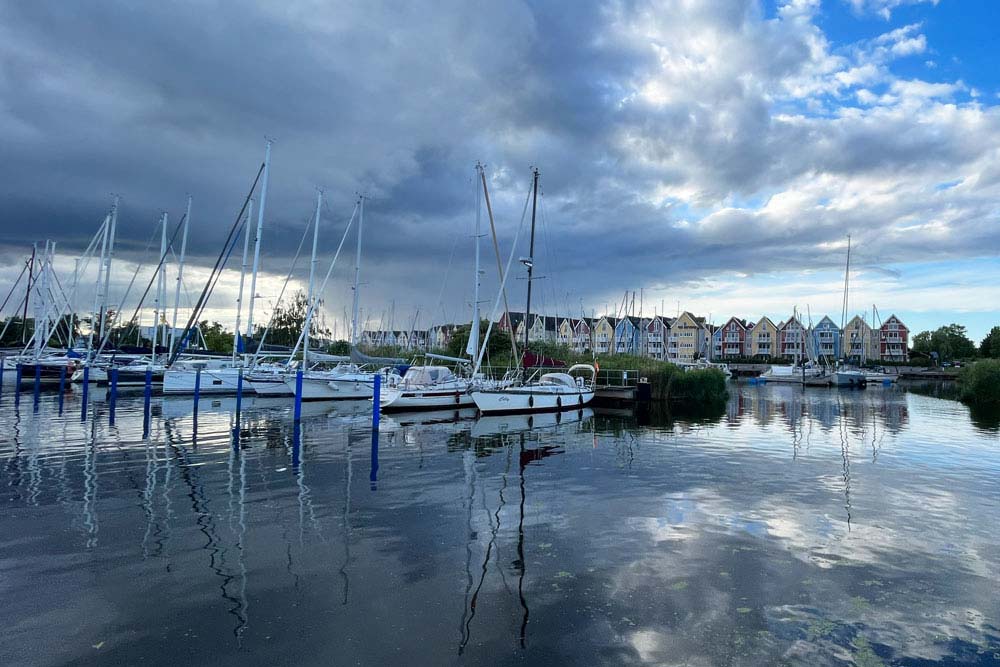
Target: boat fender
pixel 531 401
pixel 559 402
pixel 458 397
pixel 580 401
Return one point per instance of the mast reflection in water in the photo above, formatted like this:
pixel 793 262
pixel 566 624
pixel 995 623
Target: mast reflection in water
pixel 793 527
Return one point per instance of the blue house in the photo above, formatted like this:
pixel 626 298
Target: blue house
pixel 628 335
pixel 826 339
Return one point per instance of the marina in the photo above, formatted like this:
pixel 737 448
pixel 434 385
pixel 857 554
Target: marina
pixel 794 524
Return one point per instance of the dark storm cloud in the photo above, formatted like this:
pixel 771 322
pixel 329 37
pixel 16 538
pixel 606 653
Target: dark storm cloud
pixel 650 122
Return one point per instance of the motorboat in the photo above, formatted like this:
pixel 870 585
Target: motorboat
pixel 792 374
pixel 551 392
pixel 427 388
pixel 849 377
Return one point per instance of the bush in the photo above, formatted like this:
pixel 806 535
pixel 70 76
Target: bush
pixel 980 383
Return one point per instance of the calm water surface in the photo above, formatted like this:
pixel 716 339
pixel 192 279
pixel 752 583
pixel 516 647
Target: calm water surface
pixel 814 527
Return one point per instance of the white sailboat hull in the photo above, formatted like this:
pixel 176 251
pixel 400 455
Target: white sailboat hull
pixel 519 400
pixel 326 389
pixel 213 381
pixel 425 399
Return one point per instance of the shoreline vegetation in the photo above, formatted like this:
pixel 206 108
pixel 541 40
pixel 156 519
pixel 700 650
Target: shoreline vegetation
pixel 979 383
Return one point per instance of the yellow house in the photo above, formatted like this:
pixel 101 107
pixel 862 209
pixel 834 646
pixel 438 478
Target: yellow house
pixel 687 339
pixel 859 341
pixel 763 339
pixel 604 333
pixel 565 331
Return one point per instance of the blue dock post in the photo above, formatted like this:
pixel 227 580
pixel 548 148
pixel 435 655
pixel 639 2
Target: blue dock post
pixel 38 383
pixel 86 392
pixel 197 395
pixel 112 396
pixel 62 387
pixel 376 394
pixel 147 393
pixel 17 385
pixel 239 407
pixel 298 394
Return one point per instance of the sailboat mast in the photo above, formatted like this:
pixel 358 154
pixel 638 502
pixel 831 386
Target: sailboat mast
pixel 847 277
pixel 472 347
pixel 96 314
pixel 531 259
pixel 357 274
pixel 160 286
pixel 256 244
pixel 243 276
pixel 27 293
pixel 312 278
pixel 107 265
pixel 180 275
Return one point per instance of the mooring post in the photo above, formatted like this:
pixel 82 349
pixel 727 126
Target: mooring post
pixel 298 394
pixel 62 387
pixel 197 394
pixel 112 396
pixel 239 407
pixel 376 391
pixel 296 446
pixel 147 393
pixel 3 362
pixel 17 384
pixel 38 383
pixel 86 392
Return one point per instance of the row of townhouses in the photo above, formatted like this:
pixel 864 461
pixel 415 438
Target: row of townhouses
pixel 686 338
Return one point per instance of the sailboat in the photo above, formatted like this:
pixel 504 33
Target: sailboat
pixel 347 380
pixel 845 376
pixel 546 392
pixel 431 387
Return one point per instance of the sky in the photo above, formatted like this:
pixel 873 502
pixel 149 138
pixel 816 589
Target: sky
pixel 709 155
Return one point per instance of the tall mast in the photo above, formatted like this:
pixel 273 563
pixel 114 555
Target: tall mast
pixel 160 286
pixel 40 306
pixel 96 315
pixel 107 265
pixel 496 249
pixel 473 345
pixel 312 278
pixel 180 275
pixel 27 293
pixel 357 274
pixel 847 277
pixel 531 260
pixel 243 275
pixel 256 243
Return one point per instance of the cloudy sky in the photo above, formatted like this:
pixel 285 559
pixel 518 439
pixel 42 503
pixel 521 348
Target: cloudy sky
pixel 712 155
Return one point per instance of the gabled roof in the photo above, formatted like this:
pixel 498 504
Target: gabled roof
pixel 825 318
pixel 737 320
pixel 764 321
pixel 891 318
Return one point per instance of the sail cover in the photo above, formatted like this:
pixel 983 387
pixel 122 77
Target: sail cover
pixel 531 360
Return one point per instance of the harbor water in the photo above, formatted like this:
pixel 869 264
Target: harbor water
pixel 792 527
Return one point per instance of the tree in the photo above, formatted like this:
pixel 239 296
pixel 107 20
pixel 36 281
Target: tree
pixel 950 342
pixel 498 346
pixel 287 323
pixel 217 339
pixel 990 347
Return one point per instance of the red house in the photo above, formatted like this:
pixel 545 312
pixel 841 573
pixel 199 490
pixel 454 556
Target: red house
pixel 894 340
